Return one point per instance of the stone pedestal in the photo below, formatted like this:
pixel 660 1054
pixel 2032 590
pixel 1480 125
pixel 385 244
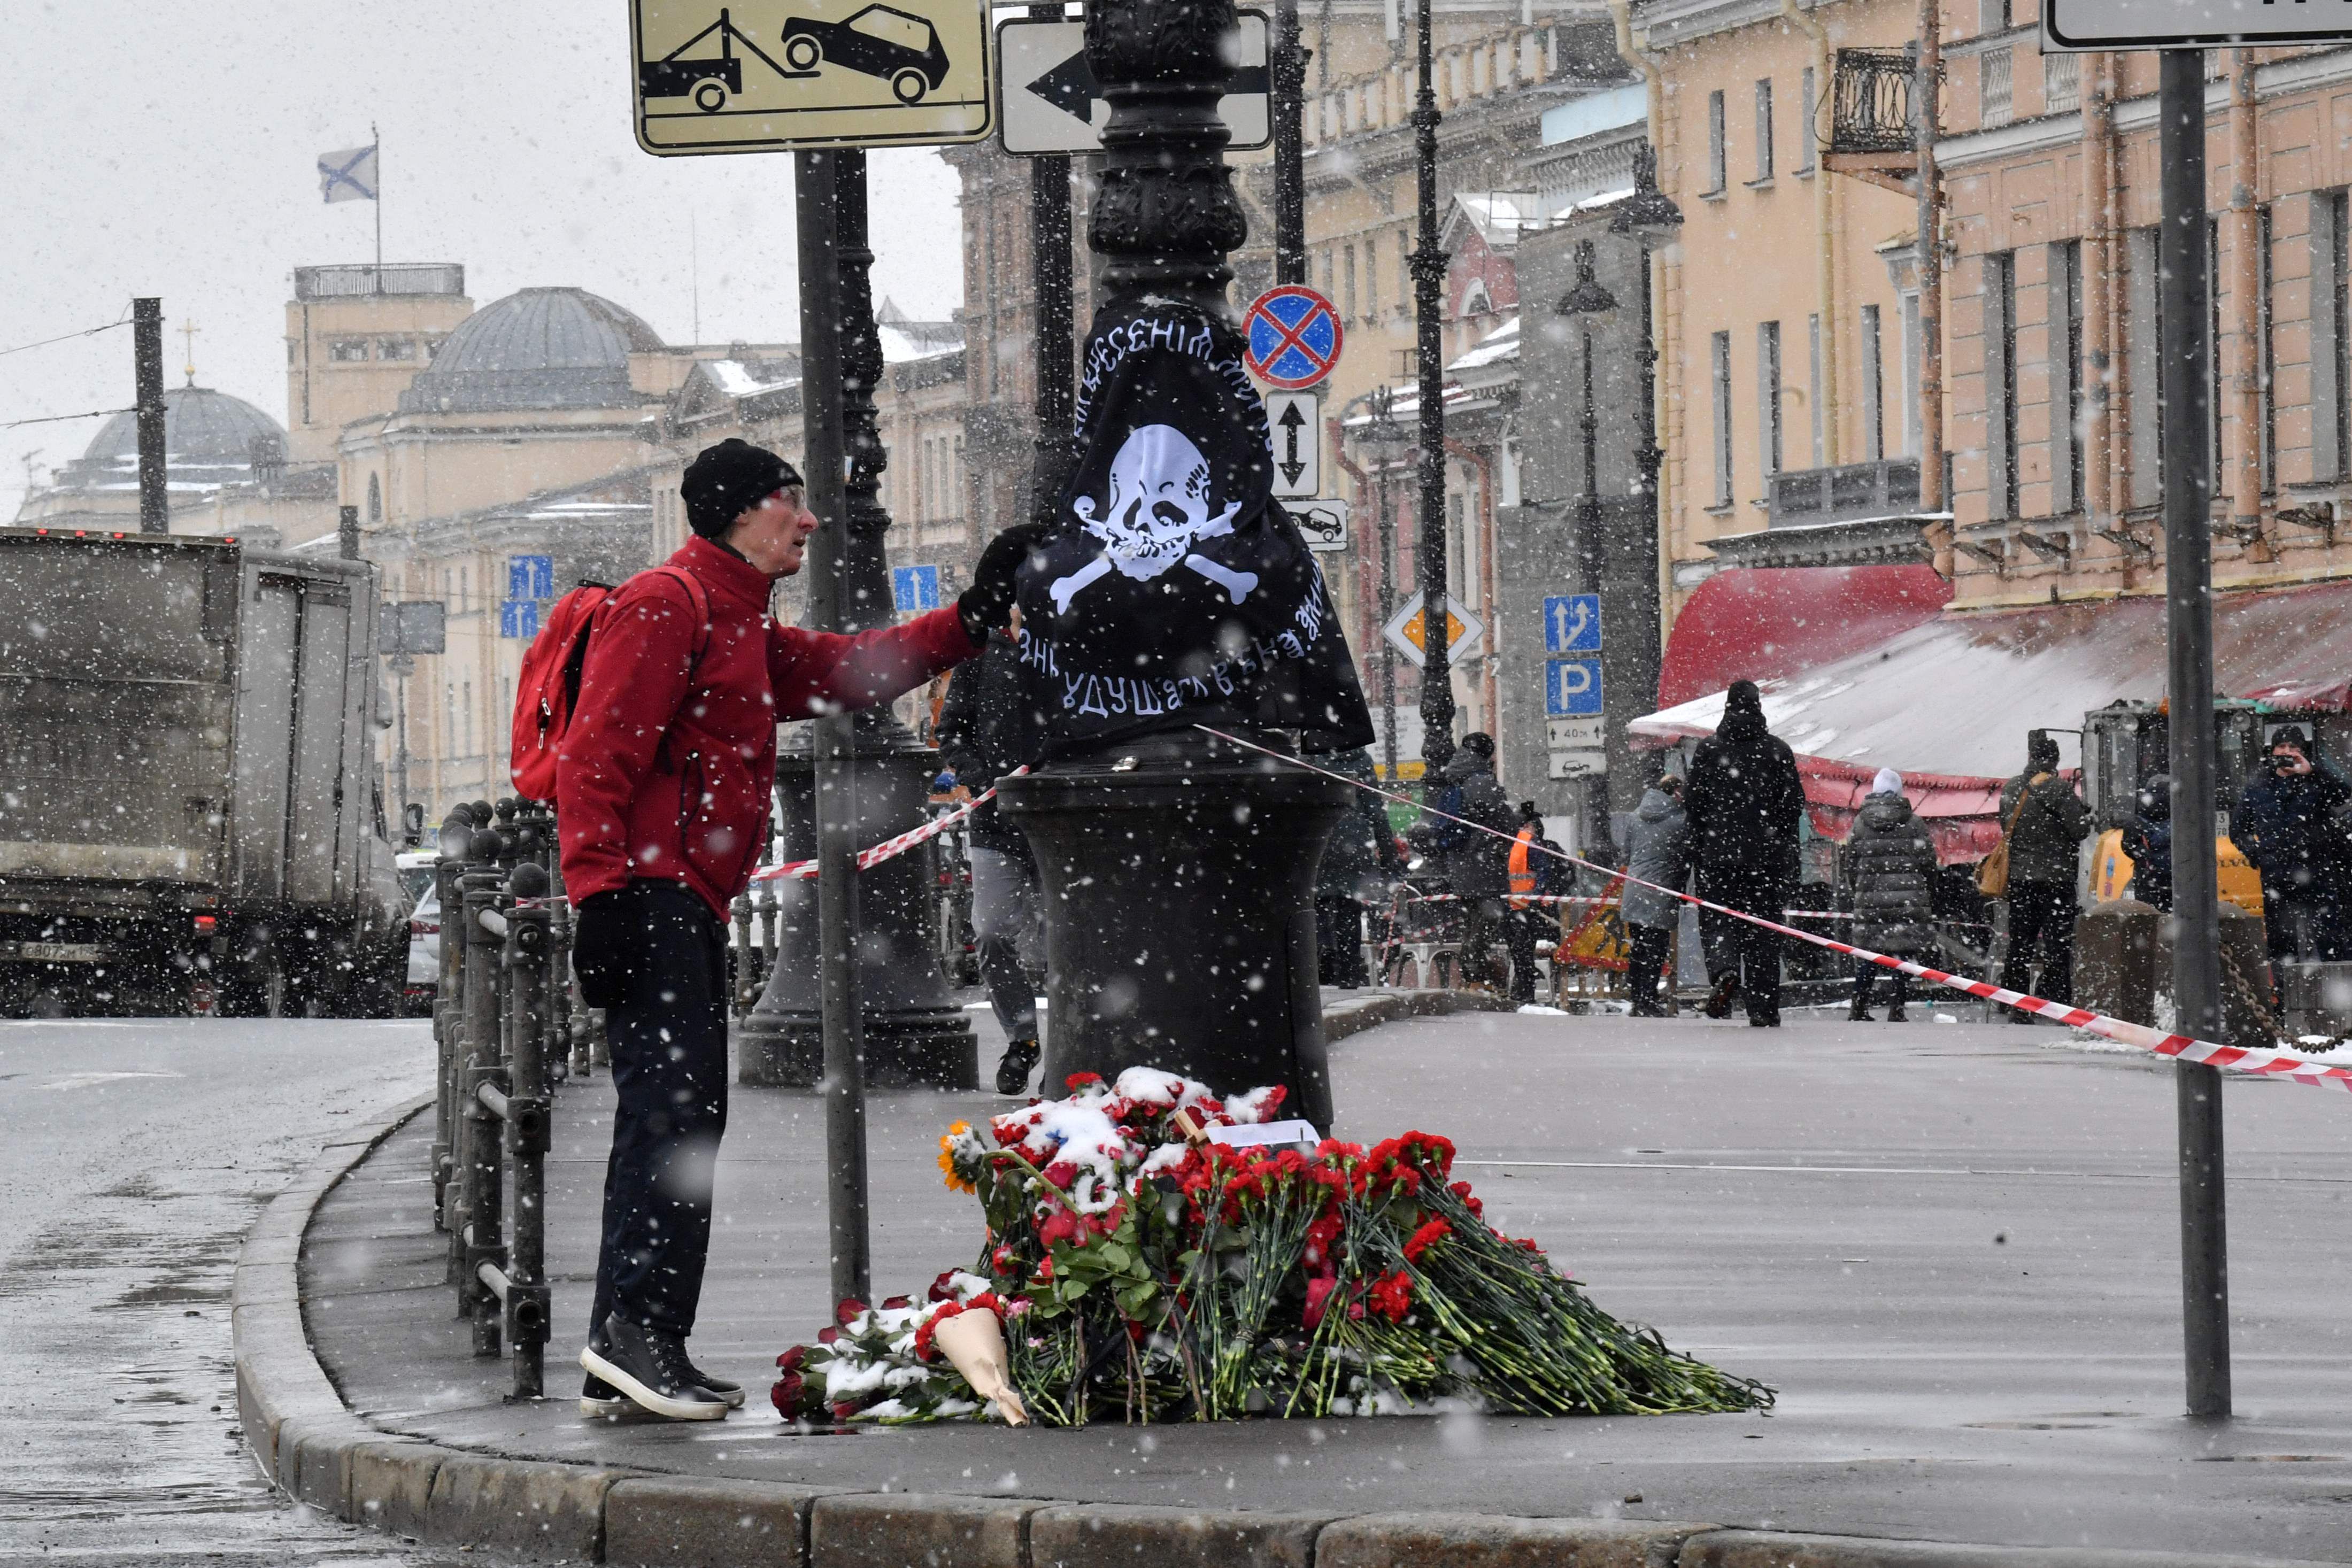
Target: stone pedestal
pixel 915 1032
pixel 1179 879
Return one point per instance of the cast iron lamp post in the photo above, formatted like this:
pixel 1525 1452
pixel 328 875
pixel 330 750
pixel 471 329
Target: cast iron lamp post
pixel 909 1027
pixel 1590 305
pixel 1651 219
pixel 1178 870
pixel 1428 296
pixel 1385 445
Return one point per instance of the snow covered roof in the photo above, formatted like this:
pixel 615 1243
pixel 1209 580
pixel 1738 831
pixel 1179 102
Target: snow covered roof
pixel 904 341
pixel 1497 347
pixel 1498 216
pixel 748 377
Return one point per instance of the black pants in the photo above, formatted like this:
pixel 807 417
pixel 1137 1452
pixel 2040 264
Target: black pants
pixel 1339 940
pixel 1867 976
pixel 669 1076
pixel 1647 966
pixel 1483 924
pixel 1523 932
pixel 2040 921
pixel 2298 926
pixel 1735 948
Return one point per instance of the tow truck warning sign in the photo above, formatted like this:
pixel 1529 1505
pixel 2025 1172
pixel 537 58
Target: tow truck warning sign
pixel 761 75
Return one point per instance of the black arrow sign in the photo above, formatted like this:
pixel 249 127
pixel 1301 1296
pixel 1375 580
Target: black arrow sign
pixel 1071 87
pixel 1293 466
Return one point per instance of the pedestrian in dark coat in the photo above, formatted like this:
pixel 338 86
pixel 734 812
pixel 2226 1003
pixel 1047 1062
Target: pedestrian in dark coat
pixel 2287 824
pixel 1745 802
pixel 2044 848
pixel 1358 859
pixel 662 792
pixel 1658 852
pixel 987 728
pixel 1476 864
pixel 2148 844
pixel 1889 868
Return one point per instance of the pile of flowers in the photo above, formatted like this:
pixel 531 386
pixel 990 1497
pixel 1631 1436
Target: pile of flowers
pixel 1142 1271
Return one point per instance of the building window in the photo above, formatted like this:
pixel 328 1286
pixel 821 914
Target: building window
pixel 1874 389
pixel 2143 369
pixel 1715 165
pixel 1347 284
pixel 1992 16
pixel 1405 274
pixel 2069 464
pixel 2329 349
pixel 1371 278
pixel 1722 352
pixel 347 348
pixel 1911 350
pixel 1767 396
pixel 2062 83
pixel 1806 130
pixel 375 500
pixel 396 349
pixel 1813 385
pixel 2000 383
pixel 1763 131
pixel 466 717
pixel 1992 104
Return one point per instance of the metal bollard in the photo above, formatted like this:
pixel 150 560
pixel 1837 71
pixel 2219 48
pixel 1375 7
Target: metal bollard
pixel 521 1287
pixel 484 929
pixel 445 872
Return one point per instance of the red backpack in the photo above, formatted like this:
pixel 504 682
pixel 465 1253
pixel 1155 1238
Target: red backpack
pixel 549 683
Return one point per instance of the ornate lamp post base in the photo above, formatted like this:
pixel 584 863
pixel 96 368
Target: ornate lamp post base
pixel 915 1033
pixel 1179 873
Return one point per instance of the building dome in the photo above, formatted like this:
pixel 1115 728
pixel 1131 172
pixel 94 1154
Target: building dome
pixel 201 429
pixel 538 349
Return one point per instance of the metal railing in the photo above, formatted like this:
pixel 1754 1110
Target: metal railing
pixel 1870 101
pixel 507 1030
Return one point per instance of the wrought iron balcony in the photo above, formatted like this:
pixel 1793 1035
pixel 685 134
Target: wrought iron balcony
pixel 1804 497
pixel 1871 102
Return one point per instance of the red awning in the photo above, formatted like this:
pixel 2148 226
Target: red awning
pixel 1760 624
pixel 1947 703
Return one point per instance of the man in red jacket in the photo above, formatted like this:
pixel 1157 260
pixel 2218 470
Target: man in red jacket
pixel 662 791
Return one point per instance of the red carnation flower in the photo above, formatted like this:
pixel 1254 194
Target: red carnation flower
pixel 1425 1237
pixel 1062 1173
pixel 1391 1296
pixel 1318 1296
pixel 1077 1080
pixel 847 1307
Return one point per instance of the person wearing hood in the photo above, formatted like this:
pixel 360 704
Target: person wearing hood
pixel 1475 864
pixel 2147 843
pixel 2046 822
pixel 1745 802
pixel 1658 852
pixel 1889 869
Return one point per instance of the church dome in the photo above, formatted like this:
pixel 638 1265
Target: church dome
pixel 201 429
pixel 538 349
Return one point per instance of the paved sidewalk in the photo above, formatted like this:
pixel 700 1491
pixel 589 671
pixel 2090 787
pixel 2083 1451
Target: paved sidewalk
pixel 1952 1248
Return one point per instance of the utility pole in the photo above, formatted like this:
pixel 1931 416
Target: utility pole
pixel 1429 289
pixel 1290 147
pixel 2184 304
pixel 147 367
pixel 817 216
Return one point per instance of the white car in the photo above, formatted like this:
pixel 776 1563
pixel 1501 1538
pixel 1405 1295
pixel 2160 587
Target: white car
pixel 415 869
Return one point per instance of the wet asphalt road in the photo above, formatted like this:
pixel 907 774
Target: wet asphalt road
pixel 133 1155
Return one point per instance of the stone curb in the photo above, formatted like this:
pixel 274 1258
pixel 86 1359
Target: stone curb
pixel 314 1448
pixel 1354 1015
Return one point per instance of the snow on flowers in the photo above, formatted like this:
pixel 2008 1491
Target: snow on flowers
pixel 1143 1271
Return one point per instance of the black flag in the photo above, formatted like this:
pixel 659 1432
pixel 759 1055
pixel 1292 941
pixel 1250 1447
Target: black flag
pixel 1173 590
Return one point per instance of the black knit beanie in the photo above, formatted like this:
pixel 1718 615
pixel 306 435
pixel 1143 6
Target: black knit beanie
pixel 728 478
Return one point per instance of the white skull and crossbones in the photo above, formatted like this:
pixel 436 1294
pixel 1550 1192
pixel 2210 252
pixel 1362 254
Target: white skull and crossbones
pixel 1156 512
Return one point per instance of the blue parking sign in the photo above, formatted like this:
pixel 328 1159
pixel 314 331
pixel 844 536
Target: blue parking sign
pixel 1572 623
pixel 1571 687
pixel 914 587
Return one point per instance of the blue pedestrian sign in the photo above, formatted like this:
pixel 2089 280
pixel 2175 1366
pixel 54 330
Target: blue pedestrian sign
pixel 530 576
pixel 518 618
pixel 1572 623
pixel 914 587
pixel 1571 687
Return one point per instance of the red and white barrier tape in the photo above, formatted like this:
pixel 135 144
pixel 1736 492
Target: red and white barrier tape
pixel 1594 898
pixel 2284 1064
pixel 889 848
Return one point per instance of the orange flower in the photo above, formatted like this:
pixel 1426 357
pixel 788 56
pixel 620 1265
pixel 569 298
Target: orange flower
pixel 947 1157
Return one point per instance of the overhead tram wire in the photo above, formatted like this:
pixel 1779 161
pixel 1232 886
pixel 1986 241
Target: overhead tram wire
pixel 62 418
pixel 124 320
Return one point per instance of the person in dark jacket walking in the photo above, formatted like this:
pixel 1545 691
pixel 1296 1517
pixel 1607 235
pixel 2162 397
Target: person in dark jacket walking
pixel 663 782
pixel 2287 824
pixel 2148 844
pixel 1358 857
pixel 1745 802
pixel 1658 852
pixel 1476 864
pixel 986 730
pixel 2044 848
pixel 1889 868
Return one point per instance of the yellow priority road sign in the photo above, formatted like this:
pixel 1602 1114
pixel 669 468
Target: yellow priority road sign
pixel 754 74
